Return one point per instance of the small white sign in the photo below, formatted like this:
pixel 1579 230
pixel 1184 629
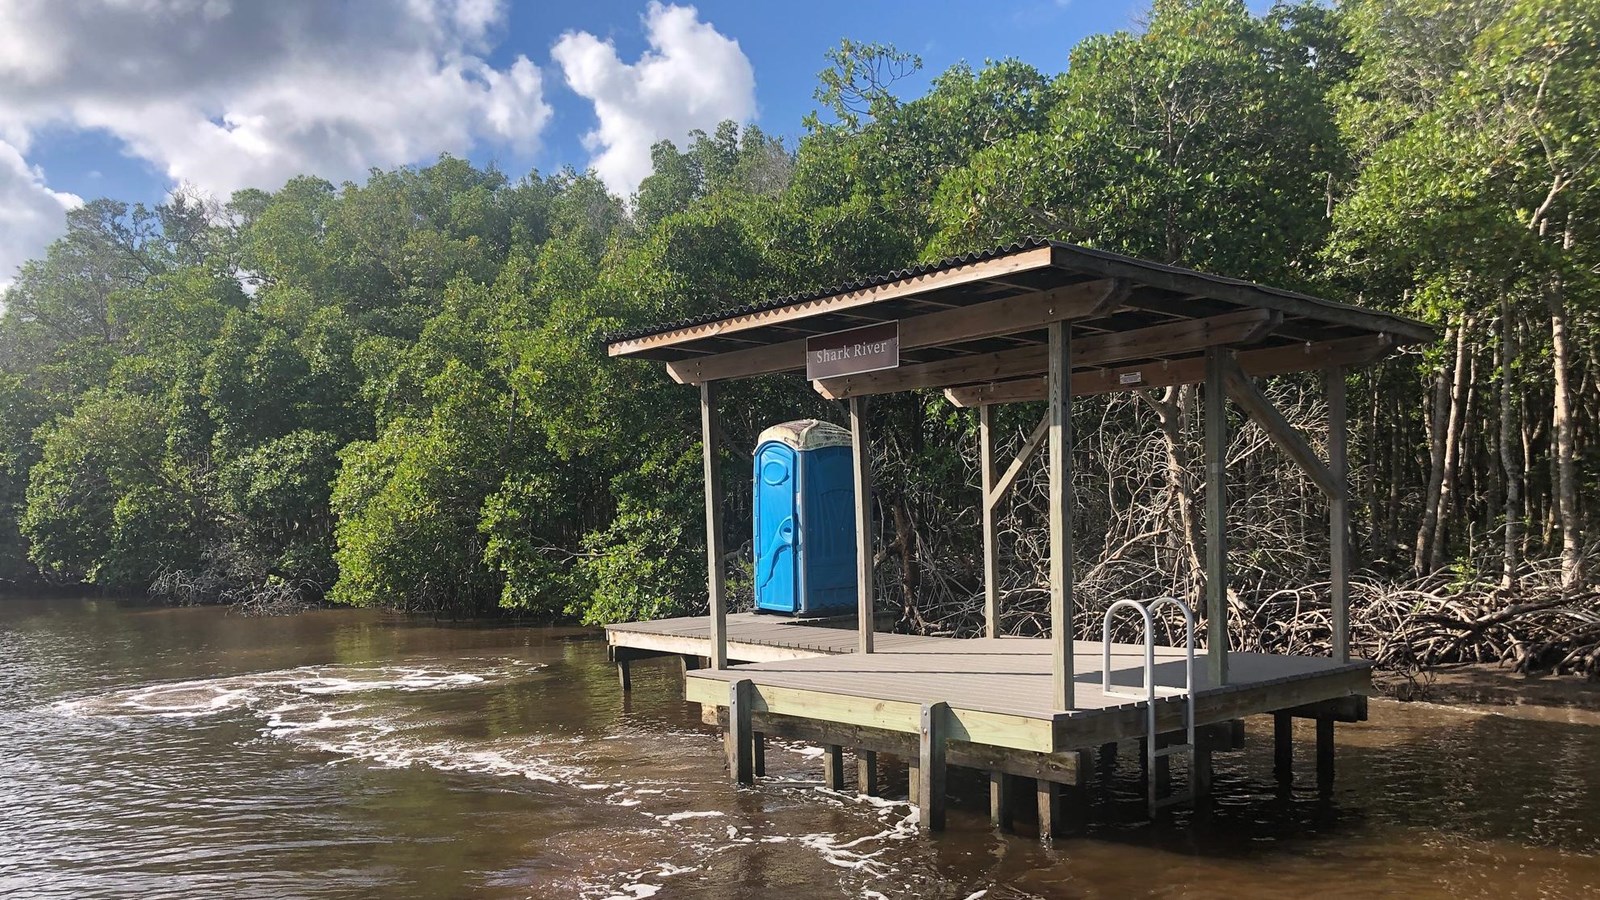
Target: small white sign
pixel 1131 378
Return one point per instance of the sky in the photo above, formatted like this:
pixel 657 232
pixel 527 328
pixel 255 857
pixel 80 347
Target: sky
pixel 130 98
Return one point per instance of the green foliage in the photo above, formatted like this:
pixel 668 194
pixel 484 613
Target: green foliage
pixel 103 506
pixel 394 393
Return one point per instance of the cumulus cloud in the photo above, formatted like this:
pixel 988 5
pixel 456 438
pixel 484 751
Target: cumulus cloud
pixel 30 213
pixel 692 77
pixel 227 94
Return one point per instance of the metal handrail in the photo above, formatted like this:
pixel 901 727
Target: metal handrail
pixel 1151 690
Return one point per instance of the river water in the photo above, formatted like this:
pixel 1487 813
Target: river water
pixel 198 753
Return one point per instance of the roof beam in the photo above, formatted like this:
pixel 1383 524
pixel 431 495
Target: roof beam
pixel 1002 485
pixel 1288 438
pixel 1257 363
pixel 1240 327
pixel 1185 281
pixel 993 318
pixel 1011 263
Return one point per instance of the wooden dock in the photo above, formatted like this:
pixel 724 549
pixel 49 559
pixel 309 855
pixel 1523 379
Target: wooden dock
pixel 1033 321
pixel 985 703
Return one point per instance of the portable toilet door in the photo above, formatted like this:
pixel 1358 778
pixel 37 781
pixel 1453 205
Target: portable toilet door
pixel 776 524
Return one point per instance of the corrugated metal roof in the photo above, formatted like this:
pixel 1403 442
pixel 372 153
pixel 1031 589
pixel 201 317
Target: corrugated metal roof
pixel 792 299
pixel 1115 260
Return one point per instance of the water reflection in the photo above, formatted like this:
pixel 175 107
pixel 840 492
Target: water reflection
pixel 158 752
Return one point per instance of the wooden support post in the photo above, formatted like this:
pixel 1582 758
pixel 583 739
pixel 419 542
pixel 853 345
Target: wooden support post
pixel 740 736
pixel 1200 770
pixel 1216 559
pixel 991 549
pixel 1338 516
pixel 1283 746
pixel 1000 807
pixel 833 767
pixel 1051 822
pixel 867 772
pixel 912 779
pixel 1108 760
pixel 1324 752
pixel 716 583
pixel 624 674
pixel 861 455
pixel 930 766
pixel 758 752
pixel 1062 628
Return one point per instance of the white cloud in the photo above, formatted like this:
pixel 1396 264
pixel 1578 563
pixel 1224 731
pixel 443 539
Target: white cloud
pixel 227 94
pixel 692 77
pixel 31 214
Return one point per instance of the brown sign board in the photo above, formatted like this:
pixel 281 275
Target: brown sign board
pixel 865 349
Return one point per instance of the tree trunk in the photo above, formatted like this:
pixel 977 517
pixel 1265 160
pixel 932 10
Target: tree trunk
pixel 1437 437
pixel 1169 412
pixel 1452 448
pixel 1566 488
pixel 1510 572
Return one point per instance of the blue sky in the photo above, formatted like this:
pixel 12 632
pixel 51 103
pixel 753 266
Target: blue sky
pixel 105 100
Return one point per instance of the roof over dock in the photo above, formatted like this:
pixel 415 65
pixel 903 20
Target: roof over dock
pixel 1041 320
pixel 977 325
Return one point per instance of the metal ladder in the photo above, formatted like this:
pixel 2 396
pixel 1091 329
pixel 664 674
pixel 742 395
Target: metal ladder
pixel 1151 691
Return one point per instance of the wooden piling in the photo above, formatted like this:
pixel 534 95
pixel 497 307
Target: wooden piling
pixel 1048 794
pixel 758 752
pixel 740 736
pixel 931 767
pixel 1001 811
pixel 867 772
pixel 1325 752
pixel 833 767
pixel 624 674
pixel 1283 746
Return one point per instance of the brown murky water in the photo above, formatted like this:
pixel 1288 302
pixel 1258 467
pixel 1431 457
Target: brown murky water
pixel 195 753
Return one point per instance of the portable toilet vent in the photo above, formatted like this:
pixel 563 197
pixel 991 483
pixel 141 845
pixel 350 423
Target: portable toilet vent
pixel 804 514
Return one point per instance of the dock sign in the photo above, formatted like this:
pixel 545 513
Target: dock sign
pixel 865 349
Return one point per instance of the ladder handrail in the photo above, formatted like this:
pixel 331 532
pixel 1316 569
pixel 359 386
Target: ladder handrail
pixel 1188 669
pixel 1150 688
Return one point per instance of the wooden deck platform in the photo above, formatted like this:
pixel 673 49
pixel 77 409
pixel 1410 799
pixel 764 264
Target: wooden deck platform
pixel 988 699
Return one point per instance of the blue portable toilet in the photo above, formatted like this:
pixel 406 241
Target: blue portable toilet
pixel 805 520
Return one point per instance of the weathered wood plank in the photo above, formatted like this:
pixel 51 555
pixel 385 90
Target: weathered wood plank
pixel 867 772
pixel 1063 687
pixel 931 791
pixel 1001 811
pixel 1023 312
pixel 994 495
pixel 1257 363
pixel 1338 515
pixel 739 736
pixel 1216 551
pixel 861 467
pixel 1052 818
pixel 833 767
pixel 1288 438
pixel 1154 341
pixel 716 582
pixel 991 542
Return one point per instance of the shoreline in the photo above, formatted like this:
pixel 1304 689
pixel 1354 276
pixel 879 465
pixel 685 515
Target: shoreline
pixel 1494 690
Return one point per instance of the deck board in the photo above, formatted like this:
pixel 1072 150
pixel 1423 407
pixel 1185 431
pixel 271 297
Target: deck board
pixel 1008 675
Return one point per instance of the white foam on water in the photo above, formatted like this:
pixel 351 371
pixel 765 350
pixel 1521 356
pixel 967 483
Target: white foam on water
pixel 680 816
pixel 336 710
